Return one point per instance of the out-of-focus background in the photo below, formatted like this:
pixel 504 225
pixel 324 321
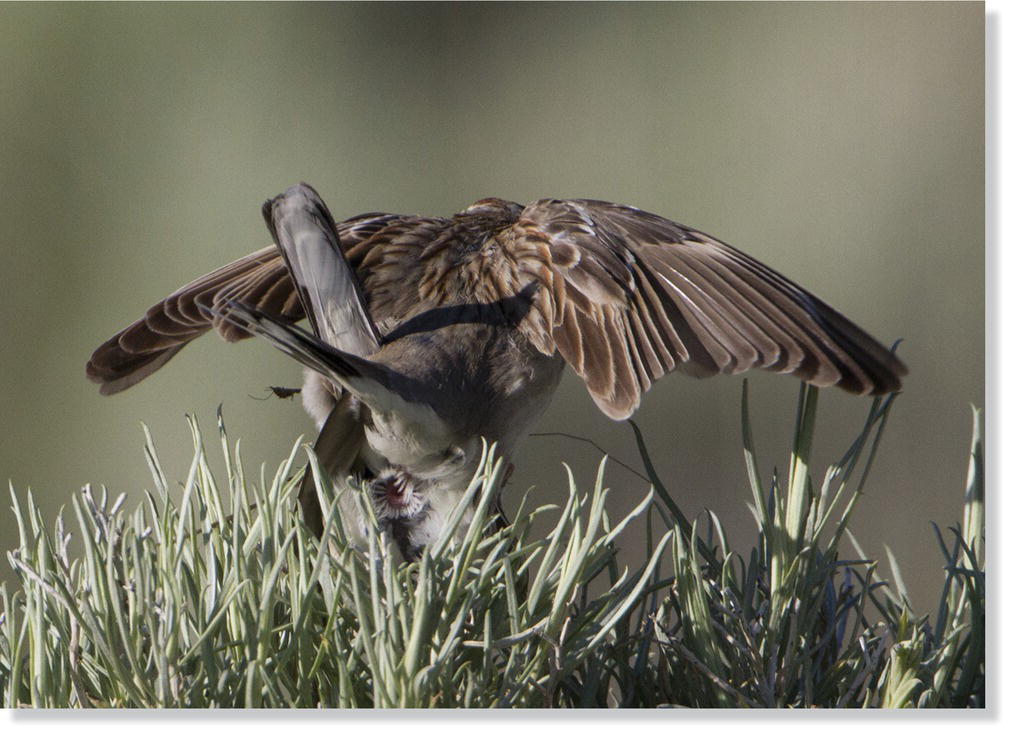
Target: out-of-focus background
pixel 842 144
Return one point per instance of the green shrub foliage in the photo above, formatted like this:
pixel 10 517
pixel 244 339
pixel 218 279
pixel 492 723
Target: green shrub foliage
pixel 221 597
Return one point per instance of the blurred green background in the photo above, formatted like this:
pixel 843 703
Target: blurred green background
pixel 842 144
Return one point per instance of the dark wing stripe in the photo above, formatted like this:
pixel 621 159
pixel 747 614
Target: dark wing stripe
pixel 594 281
pixel 276 288
pixel 786 321
pixel 292 302
pixel 278 295
pixel 803 363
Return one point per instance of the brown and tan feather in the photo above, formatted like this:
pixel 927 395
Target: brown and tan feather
pixel 644 296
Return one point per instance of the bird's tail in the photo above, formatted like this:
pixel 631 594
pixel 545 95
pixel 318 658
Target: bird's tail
pixel 303 346
pixel 375 384
pixel 330 292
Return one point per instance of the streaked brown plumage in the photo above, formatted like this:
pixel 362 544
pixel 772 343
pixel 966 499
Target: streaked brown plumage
pixel 621 295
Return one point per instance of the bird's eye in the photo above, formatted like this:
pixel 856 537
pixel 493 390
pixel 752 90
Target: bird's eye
pixel 454 454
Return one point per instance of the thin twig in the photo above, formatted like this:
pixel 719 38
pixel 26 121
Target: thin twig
pixel 601 450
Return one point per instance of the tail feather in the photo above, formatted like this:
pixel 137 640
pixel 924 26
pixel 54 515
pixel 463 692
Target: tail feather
pixel 376 385
pixel 331 295
pixel 306 348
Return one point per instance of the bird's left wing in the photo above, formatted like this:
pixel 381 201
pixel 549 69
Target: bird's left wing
pixel 633 296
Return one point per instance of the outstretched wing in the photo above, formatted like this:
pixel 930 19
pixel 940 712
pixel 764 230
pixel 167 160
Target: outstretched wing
pixel 641 296
pixel 260 280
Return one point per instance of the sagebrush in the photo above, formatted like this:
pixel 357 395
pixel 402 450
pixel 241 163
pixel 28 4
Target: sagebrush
pixel 222 598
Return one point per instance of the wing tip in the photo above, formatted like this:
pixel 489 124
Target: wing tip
pixel 129 372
